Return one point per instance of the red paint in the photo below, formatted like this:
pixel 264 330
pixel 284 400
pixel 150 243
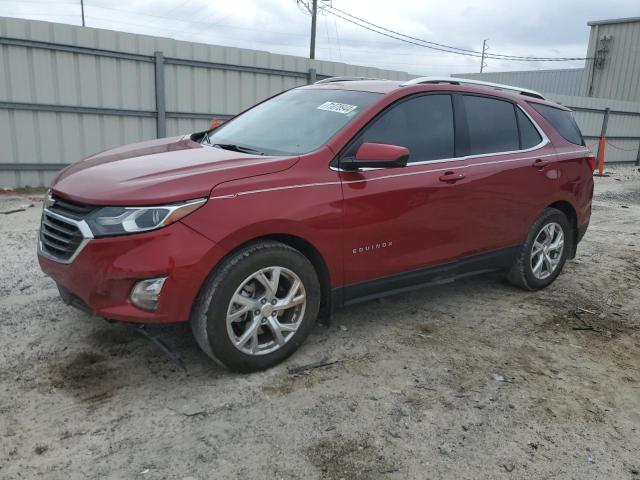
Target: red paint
pixel 104 272
pixel 380 151
pixel 423 214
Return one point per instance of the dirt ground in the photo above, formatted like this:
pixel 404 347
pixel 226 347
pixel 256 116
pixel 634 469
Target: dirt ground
pixel 474 379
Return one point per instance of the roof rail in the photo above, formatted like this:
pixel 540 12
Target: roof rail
pixel 343 79
pixel 459 81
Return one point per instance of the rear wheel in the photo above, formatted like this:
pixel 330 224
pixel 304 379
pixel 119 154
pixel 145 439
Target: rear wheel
pixel 544 253
pixel 257 307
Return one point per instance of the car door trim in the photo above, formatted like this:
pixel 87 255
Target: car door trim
pixel 495 260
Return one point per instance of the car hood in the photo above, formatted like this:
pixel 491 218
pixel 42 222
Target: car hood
pixel 159 171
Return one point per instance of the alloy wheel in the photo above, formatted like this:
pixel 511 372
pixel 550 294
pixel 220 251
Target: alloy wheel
pixel 546 251
pixel 266 310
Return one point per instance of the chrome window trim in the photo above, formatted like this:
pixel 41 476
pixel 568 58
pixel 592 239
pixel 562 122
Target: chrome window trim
pixel 86 232
pixel 384 177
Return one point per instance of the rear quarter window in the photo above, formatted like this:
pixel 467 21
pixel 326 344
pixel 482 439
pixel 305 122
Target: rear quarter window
pixel 562 121
pixel 529 136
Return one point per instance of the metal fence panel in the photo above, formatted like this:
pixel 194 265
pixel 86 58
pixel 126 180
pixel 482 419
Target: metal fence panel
pixel 623 129
pixel 566 81
pixel 67 91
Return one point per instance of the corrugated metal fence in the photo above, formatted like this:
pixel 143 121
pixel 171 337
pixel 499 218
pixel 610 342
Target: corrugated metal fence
pixel 617 120
pixel 67 92
pixel 565 81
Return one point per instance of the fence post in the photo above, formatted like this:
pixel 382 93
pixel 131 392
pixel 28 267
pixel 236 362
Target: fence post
pixel 312 76
pixel 161 119
pixel 602 142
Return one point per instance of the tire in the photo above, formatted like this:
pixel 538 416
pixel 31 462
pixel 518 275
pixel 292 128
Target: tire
pixel 248 275
pixel 522 272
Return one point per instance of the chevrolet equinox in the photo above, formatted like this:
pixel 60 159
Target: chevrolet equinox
pixel 322 196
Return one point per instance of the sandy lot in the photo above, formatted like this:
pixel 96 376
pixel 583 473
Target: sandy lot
pixel 470 380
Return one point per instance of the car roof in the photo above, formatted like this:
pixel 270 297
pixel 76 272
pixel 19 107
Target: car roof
pixel 369 85
pixel 384 87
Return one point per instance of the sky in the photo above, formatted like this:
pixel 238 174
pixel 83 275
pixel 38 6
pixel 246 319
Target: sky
pixel 542 28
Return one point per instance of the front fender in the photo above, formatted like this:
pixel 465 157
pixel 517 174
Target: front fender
pixel 307 214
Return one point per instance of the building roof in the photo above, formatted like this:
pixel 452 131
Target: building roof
pixel 614 20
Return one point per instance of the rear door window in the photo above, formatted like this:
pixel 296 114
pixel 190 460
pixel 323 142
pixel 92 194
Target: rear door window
pixel 423 124
pixel 491 124
pixel 562 121
pixel 529 135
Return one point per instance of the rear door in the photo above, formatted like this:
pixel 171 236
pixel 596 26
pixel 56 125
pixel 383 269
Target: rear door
pixel 513 171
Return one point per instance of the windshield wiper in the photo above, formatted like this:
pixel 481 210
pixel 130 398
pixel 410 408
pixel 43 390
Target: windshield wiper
pixel 237 148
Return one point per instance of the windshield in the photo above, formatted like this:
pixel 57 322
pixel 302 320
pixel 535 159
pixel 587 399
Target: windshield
pixel 295 122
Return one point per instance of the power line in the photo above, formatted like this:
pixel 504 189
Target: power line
pixel 450 48
pixel 328 8
pixel 401 34
pixel 401 39
pixel 438 46
pixel 106 22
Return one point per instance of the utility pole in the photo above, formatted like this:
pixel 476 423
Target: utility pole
pixel 82 10
pixel 311 6
pixel 484 49
pixel 314 14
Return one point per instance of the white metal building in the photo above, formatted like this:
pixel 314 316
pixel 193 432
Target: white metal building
pixel 605 94
pixel 612 68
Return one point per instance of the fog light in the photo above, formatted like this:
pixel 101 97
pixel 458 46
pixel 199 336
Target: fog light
pixel 146 293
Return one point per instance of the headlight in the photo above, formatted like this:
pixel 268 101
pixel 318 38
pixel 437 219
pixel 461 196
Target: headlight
pixel 123 220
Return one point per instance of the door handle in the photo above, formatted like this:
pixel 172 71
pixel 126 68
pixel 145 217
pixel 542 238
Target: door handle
pixel 539 163
pixel 451 177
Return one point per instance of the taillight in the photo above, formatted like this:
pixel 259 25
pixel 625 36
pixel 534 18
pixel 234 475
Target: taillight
pixel 591 161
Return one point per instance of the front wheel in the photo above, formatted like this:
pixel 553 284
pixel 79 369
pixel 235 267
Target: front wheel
pixel 544 253
pixel 257 307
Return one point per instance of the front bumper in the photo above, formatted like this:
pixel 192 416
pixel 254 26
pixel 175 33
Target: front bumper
pixel 103 273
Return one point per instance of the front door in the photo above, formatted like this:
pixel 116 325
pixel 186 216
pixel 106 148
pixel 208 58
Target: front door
pixel 402 219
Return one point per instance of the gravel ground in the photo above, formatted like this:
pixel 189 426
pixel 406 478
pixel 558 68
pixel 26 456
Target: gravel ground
pixel 469 380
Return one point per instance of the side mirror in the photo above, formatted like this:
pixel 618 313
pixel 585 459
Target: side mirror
pixel 377 155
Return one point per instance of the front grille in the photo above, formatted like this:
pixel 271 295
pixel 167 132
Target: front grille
pixel 70 209
pixel 59 238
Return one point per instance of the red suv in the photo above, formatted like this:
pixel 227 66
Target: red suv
pixel 321 196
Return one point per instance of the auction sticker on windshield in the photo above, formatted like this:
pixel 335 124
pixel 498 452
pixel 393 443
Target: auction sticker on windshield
pixel 343 108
